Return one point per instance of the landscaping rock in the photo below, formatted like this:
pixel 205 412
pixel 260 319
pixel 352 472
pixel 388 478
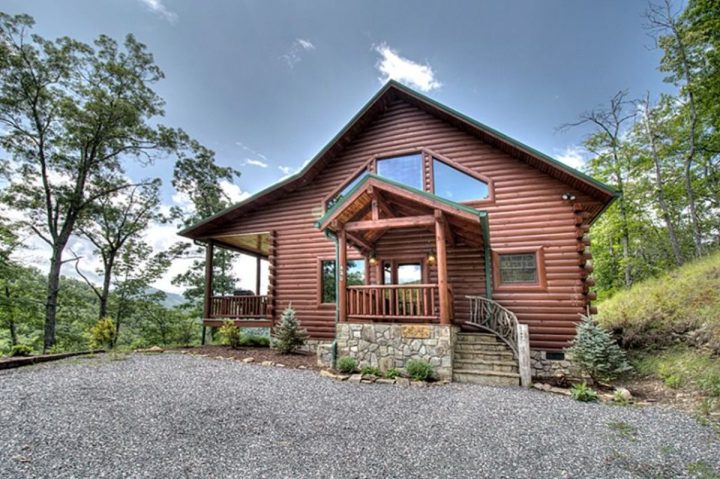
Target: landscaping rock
pixel 624 393
pixel 402 382
pixel 418 384
pixel 154 349
pixel 385 381
pixel 267 363
pixel 248 360
pixel 279 365
pixel 302 367
pixel 355 378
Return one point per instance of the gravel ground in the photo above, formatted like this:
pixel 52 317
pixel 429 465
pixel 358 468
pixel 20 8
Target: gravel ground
pixel 175 415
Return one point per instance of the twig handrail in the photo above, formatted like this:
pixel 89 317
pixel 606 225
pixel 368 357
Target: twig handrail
pixel 487 314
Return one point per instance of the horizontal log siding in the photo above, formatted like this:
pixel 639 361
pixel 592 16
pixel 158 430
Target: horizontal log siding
pixel 527 211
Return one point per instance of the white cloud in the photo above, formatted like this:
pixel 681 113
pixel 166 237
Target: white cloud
pixel 286 170
pixel 392 66
pixel 261 164
pixel 572 156
pixel 233 191
pixel 157 7
pixel 294 54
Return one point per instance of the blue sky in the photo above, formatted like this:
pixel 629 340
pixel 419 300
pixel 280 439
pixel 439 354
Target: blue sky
pixel 267 83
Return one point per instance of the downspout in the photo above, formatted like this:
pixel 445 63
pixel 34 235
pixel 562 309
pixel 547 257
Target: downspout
pixel 333 348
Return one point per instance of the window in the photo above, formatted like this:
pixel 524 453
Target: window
pixel 402 273
pixel 518 268
pixel 456 185
pixel 328 281
pixel 407 169
pixel 341 194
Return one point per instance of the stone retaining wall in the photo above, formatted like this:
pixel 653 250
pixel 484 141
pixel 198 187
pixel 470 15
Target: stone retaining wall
pixel 387 346
pixel 543 368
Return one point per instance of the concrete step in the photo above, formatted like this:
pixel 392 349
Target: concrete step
pixel 486 365
pixel 477 338
pixel 487 378
pixel 484 355
pixel 481 348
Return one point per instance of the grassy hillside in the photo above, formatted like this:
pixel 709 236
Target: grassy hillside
pixel 680 307
pixel 671 327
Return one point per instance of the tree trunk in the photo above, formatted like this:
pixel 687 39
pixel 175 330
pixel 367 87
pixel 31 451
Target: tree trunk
pixel 11 318
pixel 53 287
pixel 105 293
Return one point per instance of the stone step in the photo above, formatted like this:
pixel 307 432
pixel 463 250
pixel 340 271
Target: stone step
pixel 484 355
pixel 477 338
pixel 486 365
pixel 481 348
pixel 487 378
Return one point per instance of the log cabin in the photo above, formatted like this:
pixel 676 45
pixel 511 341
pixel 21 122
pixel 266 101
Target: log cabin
pixel 418 232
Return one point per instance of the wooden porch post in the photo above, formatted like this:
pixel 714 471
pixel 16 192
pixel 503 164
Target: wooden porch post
pixel 257 275
pixel 207 300
pixel 442 268
pixel 341 292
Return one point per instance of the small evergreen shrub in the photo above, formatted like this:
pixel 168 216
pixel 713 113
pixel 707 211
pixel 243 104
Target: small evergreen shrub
pixel 102 333
pixel 288 334
pixel 371 371
pixel 20 350
pixel 346 364
pixel 419 370
pixel 392 373
pixel 582 392
pixel 620 399
pixel 596 353
pixel 229 334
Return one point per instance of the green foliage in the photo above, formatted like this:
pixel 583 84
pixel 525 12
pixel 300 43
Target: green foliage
pixel 229 334
pixel 254 340
pixel 419 370
pixel 596 353
pixel 682 305
pixel 392 373
pixel 102 333
pixel 371 371
pixel 582 392
pixel 673 381
pixel 619 399
pixel 20 350
pixel 682 367
pixel 288 335
pixel 346 364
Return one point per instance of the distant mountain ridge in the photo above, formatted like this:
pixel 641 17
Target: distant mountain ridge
pixel 171 299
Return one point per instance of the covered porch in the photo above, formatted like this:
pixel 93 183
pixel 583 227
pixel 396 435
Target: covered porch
pixel 377 208
pixel 246 307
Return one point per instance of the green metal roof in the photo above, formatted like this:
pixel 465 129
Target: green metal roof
pixel 409 189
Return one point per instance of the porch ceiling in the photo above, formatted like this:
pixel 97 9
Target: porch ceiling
pixel 253 243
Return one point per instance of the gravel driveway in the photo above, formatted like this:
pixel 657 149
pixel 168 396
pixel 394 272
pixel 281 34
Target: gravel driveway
pixel 174 415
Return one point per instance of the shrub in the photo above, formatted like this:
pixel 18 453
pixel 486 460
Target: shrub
pixel 20 350
pixel 346 364
pixel 596 353
pixel 229 334
pixel 620 399
pixel 254 340
pixel 392 373
pixel 288 335
pixel 419 370
pixel 673 381
pixel 102 333
pixel 582 392
pixel 371 371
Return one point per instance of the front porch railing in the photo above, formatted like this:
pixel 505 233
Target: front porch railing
pixel 238 306
pixel 416 302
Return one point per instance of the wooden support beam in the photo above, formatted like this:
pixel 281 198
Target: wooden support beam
pixel 406 222
pixel 382 204
pixel 359 242
pixel 257 275
pixel 341 272
pixel 207 299
pixel 443 295
pixel 375 209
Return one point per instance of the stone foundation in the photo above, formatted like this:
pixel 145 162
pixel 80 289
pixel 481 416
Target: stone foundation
pixel 543 368
pixel 388 346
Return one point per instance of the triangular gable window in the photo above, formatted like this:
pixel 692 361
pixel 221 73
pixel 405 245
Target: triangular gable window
pixel 456 185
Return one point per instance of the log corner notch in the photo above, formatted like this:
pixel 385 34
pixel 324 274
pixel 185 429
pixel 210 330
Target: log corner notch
pixel 582 217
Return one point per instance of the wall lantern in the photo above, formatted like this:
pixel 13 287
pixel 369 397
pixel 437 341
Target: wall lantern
pixel 431 258
pixel 373 259
pixel 568 197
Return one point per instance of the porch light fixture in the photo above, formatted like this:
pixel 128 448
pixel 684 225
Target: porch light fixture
pixel 373 259
pixel 568 197
pixel 431 258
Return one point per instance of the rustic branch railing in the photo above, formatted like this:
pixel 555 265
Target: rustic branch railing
pixel 489 315
pixel 417 302
pixel 238 306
